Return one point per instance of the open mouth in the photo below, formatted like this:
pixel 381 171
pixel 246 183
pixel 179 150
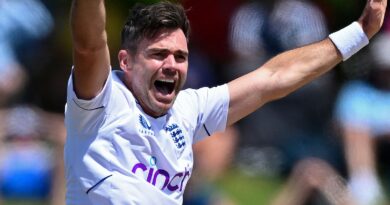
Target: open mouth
pixel 165 87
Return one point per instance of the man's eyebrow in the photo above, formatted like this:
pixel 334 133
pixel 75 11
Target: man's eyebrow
pixel 181 52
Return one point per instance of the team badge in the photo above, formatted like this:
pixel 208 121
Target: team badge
pixel 177 135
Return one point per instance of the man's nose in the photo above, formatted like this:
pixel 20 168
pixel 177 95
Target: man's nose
pixel 170 61
pixel 170 64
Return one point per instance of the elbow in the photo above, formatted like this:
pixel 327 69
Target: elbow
pixel 280 95
pixel 87 49
pixel 282 83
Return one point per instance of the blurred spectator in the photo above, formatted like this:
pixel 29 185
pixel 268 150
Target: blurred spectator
pixel 31 143
pixel 363 110
pixel 17 29
pixel 31 140
pixel 262 29
pixel 310 176
pixel 246 27
pixel 281 133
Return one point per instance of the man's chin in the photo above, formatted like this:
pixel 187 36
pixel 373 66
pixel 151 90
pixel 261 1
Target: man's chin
pixel 162 103
pixel 164 107
pixel 158 108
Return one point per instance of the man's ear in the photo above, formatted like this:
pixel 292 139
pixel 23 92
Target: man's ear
pixel 125 61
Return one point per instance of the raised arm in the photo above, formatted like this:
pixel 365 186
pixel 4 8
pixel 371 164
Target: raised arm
pixel 90 51
pixel 292 69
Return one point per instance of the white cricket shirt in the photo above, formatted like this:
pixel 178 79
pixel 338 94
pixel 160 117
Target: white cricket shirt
pixel 116 154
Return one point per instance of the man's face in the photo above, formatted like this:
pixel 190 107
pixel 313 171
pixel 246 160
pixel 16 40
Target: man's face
pixel 157 72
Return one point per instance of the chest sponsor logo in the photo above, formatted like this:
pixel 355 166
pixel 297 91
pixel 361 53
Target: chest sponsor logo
pixel 162 178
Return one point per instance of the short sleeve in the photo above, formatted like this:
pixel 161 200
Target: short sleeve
pixel 84 115
pixel 208 107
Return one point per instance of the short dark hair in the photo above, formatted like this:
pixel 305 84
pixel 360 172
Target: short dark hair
pixel 146 21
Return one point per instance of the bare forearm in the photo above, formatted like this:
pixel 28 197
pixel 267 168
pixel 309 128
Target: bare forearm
pixel 280 76
pixel 292 69
pixel 88 19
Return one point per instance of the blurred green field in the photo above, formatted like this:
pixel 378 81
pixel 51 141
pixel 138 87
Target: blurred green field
pixel 240 188
pixel 249 190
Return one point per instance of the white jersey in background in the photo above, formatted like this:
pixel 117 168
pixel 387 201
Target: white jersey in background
pixel 117 154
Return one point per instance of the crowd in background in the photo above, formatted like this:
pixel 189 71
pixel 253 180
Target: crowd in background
pixel 336 127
